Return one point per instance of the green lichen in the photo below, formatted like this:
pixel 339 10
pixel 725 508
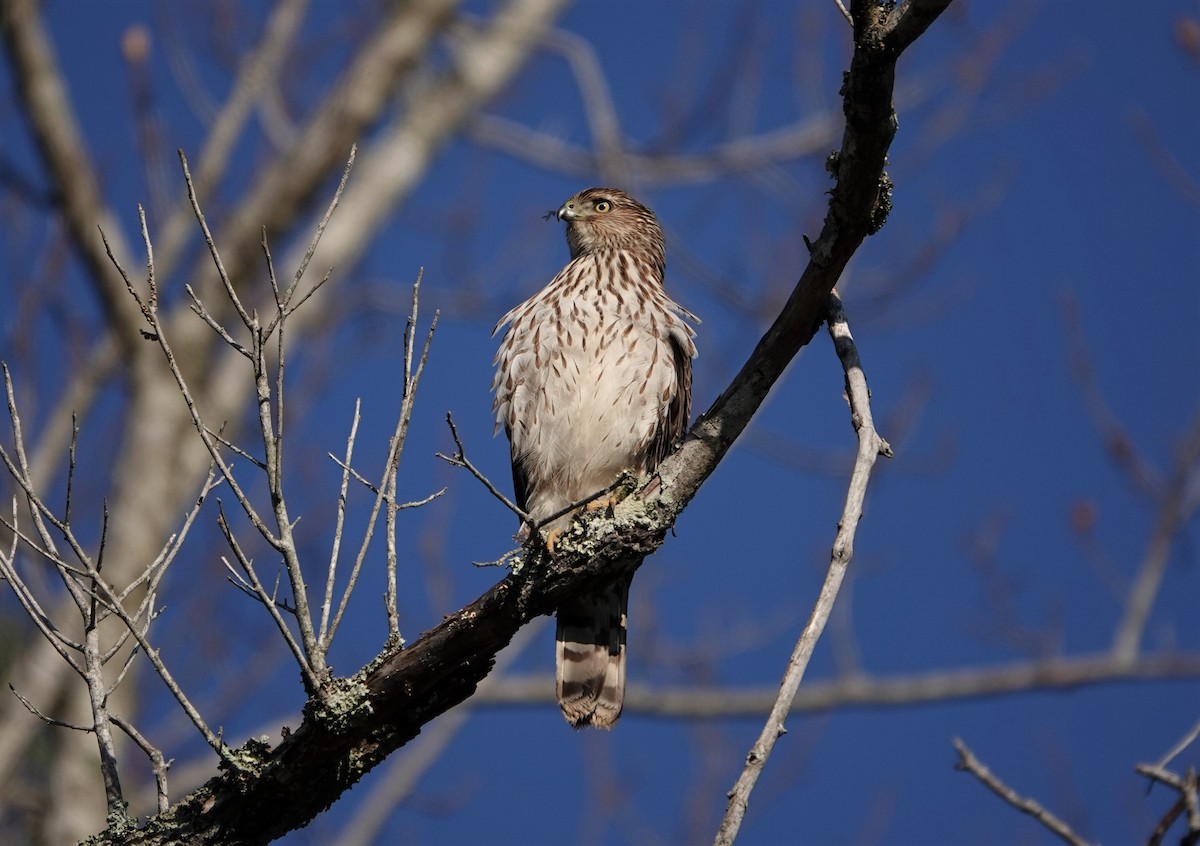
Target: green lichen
pixel 342 703
pixel 118 823
pixel 248 760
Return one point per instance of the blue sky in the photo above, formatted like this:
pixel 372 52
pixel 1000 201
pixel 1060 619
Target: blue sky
pixel 1059 198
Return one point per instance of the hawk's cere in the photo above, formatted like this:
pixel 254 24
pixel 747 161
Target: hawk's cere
pixel 594 377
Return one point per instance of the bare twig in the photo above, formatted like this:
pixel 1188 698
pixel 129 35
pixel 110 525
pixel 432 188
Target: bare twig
pixel 1177 503
pixel 622 480
pixel 1184 742
pixel 339 525
pixel 459 459
pixel 1189 801
pixel 200 311
pixel 411 380
pixel 230 291
pixel 150 312
pixel 237 450
pixel 45 718
pixel 158 764
pixel 969 763
pixel 870 447
pixel 268 601
pixel 285 304
pixel 385 491
pixel 388 498
pixel 845 12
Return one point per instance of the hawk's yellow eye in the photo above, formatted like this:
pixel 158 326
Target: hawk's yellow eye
pixel 603 206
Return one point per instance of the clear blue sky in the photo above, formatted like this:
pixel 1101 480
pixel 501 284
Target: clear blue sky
pixel 1058 195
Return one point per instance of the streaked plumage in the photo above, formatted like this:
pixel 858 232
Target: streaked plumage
pixel 593 377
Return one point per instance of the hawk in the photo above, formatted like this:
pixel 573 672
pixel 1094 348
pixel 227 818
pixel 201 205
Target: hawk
pixel 594 378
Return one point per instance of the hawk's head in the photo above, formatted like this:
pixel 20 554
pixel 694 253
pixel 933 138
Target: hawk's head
pixel 605 218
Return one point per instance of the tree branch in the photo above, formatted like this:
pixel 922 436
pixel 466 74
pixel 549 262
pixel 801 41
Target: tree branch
pixel 870 447
pixel 969 763
pixel 860 690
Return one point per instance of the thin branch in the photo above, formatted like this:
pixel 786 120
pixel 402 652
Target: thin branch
pixel 339 524
pixel 623 480
pixel 459 459
pixel 860 690
pixel 285 305
pixel 1184 742
pixel 200 311
pixel 98 699
pixel 234 448
pixel 312 680
pixel 1177 503
pixel 388 498
pixel 230 290
pixel 1189 801
pixel 385 491
pixel 45 718
pixel 845 12
pixel 411 381
pixel 158 764
pixel 870 447
pixel 56 639
pixel 270 425
pixel 71 469
pixel 967 762
pixel 153 573
pixel 157 332
pixel 1164 824
pixel 1161 775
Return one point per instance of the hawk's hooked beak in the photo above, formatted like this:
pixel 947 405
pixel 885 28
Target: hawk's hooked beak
pixel 567 212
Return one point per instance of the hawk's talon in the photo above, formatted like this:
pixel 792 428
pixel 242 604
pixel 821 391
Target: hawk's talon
pixel 606 502
pixel 552 537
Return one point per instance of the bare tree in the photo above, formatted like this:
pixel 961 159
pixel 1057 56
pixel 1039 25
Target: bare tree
pixel 194 349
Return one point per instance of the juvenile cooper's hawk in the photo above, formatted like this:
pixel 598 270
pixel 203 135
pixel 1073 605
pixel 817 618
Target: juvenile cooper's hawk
pixel 594 377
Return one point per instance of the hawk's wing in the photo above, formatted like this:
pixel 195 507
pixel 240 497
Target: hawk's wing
pixel 677 408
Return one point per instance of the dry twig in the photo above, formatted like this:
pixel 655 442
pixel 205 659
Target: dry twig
pixel 969 763
pixel 870 447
